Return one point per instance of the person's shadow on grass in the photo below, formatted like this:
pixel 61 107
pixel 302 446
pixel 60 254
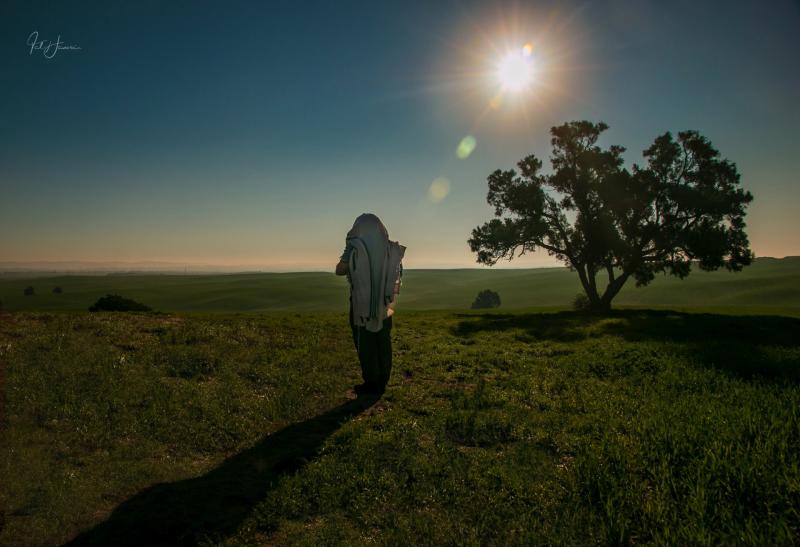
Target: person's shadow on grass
pixel 213 505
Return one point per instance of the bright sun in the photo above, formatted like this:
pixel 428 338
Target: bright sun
pixel 516 71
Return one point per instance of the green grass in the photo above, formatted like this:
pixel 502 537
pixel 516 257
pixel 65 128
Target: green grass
pixel 768 285
pixel 500 428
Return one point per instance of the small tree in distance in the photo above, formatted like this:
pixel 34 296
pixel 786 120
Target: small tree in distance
pixel 28 291
pixel 684 205
pixel 486 299
pixel 57 290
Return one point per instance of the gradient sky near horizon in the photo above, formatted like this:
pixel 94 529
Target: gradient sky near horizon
pixel 252 134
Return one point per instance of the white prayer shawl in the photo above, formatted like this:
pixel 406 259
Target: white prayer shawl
pixel 374 265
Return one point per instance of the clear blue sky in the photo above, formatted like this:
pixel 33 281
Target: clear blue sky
pixel 248 133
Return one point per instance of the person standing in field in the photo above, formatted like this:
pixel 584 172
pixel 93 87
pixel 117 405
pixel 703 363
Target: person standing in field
pixel 373 266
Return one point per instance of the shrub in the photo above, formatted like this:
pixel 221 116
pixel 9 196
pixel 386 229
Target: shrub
pixel 57 290
pixel 581 302
pixel 28 291
pixel 486 299
pixel 114 302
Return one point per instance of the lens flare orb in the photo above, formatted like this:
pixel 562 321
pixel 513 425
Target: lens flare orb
pixel 465 147
pixel 438 190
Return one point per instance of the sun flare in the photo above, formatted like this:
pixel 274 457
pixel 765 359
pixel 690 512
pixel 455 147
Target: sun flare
pixel 516 70
pixel 511 69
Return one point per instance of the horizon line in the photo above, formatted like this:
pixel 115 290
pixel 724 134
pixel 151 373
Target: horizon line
pixel 98 267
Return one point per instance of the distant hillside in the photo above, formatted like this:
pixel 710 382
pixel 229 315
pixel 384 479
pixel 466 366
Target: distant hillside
pixel 768 283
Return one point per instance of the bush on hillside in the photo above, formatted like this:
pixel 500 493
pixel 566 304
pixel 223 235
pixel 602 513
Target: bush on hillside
pixel 581 302
pixel 57 290
pixel 115 302
pixel 486 299
pixel 28 291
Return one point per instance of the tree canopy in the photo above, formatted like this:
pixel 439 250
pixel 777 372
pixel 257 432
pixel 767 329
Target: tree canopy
pixel 683 206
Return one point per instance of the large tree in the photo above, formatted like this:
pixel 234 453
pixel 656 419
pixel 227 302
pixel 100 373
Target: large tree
pixel 684 206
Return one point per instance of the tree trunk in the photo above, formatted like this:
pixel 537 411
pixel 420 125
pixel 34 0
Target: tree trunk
pixel 600 306
pixel 589 287
pixel 612 290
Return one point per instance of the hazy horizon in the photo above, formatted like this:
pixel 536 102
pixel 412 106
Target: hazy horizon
pixel 67 266
pixel 178 268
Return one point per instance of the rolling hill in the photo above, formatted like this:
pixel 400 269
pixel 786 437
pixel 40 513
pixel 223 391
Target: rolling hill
pixel 768 283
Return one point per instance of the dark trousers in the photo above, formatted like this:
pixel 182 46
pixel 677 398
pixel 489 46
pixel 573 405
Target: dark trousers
pixel 374 352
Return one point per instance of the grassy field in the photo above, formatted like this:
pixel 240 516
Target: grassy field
pixel 499 428
pixel 768 284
